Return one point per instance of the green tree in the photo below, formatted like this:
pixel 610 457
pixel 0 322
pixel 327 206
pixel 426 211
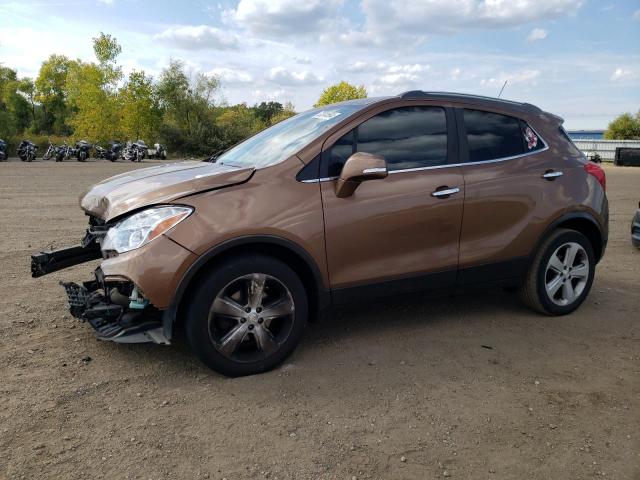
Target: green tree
pixel 266 110
pixel 95 107
pixel 340 92
pixel 188 122
pixel 16 112
pixel 93 95
pixel 287 111
pixel 625 127
pixel 139 111
pixel 237 123
pixel 52 93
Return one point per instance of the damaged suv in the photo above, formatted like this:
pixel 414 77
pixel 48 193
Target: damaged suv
pixel 348 202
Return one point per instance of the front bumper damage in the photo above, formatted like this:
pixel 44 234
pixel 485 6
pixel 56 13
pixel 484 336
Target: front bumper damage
pixel 113 305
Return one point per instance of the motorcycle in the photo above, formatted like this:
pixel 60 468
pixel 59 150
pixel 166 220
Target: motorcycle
pixel 111 153
pixel 27 151
pixel 3 150
pixel 158 151
pixel 135 152
pixel 61 152
pixel 82 150
pixel 51 152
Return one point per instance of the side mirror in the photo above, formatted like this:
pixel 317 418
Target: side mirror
pixel 358 168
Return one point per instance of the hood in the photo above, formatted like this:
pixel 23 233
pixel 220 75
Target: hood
pixel 147 186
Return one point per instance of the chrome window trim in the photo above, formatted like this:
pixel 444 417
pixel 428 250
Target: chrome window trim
pixel 451 165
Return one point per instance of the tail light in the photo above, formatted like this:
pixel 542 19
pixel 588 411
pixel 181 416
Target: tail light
pixel 597 171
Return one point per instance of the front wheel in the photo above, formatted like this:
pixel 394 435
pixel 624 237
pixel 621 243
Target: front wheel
pixel 247 315
pixel 561 274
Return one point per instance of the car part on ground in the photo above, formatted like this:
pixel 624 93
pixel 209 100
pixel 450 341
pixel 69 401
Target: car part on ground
pixel 335 205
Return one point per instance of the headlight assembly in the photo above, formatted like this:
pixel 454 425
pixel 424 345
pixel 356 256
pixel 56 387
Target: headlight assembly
pixel 142 227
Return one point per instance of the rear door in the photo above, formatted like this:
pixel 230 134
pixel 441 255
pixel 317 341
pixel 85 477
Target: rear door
pixel 506 194
pixel 398 228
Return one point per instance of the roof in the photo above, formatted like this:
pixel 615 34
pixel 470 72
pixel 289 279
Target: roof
pixel 475 99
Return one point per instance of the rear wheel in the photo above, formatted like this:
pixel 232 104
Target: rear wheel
pixel 247 316
pixel 561 274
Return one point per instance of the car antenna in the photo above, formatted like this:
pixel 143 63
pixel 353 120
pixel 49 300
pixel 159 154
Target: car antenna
pixel 502 89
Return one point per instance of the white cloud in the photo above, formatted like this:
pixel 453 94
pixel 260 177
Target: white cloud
pixel 636 15
pixel 106 2
pixel 526 77
pixel 231 75
pixel 455 73
pixel 283 17
pixel 198 37
pixel 284 76
pixel 537 34
pixel 391 20
pixel 624 74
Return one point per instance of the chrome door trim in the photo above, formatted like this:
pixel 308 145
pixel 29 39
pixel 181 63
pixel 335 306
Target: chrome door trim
pixel 451 165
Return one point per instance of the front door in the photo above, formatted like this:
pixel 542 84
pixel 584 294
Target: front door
pixel 401 227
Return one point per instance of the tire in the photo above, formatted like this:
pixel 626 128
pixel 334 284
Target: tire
pixel 556 285
pixel 208 332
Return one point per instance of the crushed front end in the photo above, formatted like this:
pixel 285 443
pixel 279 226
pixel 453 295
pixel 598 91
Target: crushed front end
pixel 129 300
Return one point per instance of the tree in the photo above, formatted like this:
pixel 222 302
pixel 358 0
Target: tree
pixel 266 110
pixel 16 111
pixel 237 123
pixel 52 92
pixel 188 119
pixel 625 127
pixel 287 112
pixel 139 111
pixel 340 92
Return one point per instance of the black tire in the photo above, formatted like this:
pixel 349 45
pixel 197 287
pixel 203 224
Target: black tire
pixel 533 291
pixel 197 322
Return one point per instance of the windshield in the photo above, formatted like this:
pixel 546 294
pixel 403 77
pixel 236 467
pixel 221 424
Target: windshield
pixel 279 142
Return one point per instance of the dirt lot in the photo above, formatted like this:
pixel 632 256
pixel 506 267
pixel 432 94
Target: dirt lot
pixel 405 390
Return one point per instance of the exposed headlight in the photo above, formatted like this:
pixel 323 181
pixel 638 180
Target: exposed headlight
pixel 142 227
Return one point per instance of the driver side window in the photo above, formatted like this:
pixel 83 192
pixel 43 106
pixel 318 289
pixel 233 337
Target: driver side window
pixel 408 137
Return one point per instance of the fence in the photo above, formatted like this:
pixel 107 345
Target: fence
pixel 605 148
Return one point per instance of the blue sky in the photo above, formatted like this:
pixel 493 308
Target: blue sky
pixel 579 59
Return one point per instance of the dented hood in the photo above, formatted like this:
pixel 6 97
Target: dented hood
pixel 147 186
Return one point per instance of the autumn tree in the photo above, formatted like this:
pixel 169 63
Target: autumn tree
pixel 287 111
pixel 340 92
pixel 52 93
pixel 625 127
pixel 139 111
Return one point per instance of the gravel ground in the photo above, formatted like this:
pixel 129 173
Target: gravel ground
pixel 471 387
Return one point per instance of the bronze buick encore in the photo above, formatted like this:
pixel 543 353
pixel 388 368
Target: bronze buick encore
pixel 351 201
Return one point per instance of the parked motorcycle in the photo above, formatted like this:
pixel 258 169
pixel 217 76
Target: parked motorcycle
pixel 51 152
pixel 135 152
pixel 111 153
pixel 3 150
pixel 158 151
pixel 27 151
pixel 82 150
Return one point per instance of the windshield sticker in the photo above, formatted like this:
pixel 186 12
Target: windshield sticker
pixel 326 115
pixel 531 138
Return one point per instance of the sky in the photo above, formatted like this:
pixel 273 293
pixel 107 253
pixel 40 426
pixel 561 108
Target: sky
pixel 579 59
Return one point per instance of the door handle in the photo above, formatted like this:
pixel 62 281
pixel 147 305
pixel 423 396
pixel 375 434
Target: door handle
pixel 444 192
pixel 552 174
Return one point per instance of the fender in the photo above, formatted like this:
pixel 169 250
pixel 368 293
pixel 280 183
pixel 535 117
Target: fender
pixel 324 296
pixel 566 218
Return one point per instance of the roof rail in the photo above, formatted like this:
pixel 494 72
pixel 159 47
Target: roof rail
pixel 479 99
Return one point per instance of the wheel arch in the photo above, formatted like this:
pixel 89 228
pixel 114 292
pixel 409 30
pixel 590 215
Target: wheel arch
pixel 285 250
pixel 582 222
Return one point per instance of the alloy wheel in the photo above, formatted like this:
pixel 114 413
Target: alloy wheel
pixel 567 273
pixel 251 317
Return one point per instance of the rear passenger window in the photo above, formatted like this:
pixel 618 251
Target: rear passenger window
pixel 491 136
pixel 408 137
